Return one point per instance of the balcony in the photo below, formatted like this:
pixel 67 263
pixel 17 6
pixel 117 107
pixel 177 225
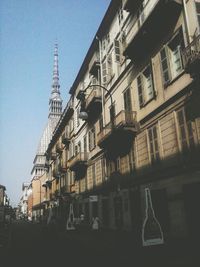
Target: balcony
pixel 130 5
pixel 93 102
pixel 117 140
pixel 53 155
pixel 191 57
pixel 78 161
pixel 48 183
pixel 62 167
pixel 94 65
pixel 154 21
pixel 66 139
pixel 59 148
pixel 56 173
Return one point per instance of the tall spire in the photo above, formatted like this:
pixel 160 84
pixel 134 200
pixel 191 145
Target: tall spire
pixel 55 101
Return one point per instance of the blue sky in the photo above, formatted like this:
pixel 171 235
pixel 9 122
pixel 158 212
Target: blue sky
pixel 28 31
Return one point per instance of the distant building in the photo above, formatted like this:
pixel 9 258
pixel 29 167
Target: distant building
pixel 2 195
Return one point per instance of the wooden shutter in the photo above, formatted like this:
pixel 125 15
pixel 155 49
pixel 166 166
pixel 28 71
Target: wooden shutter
pixel 165 66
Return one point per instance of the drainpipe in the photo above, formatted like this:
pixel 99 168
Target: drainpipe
pixel 187 27
pixel 100 77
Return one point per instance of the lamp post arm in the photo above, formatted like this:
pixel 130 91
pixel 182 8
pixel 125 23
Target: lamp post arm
pixel 111 100
pixel 103 87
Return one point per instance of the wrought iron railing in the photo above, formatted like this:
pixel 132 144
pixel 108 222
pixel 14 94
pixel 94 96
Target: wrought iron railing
pixel 191 53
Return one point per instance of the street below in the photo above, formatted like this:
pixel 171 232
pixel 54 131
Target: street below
pixel 34 244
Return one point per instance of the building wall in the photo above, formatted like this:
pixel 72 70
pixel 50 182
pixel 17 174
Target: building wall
pixel 167 138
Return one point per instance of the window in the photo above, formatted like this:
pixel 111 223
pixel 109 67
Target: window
pixel 141 13
pixel 198 11
pixel 112 111
pixel 92 139
pixel 186 137
pixel 171 61
pixel 127 100
pixel 145 86
pixel 153 144
pixel 85 143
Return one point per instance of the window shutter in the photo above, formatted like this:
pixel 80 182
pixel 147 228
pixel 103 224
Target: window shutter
pixel 140 90
pixel 177 62
pixel 104 72
pixel 117 50
pixel 165 66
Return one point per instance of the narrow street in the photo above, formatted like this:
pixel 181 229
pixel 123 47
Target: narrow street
pixel 32 244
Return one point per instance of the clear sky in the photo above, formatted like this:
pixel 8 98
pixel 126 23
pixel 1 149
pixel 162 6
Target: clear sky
pixel 28 31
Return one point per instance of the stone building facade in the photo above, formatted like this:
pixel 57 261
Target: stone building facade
pixel 138 89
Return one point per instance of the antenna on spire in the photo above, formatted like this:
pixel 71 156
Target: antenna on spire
pixel 55 99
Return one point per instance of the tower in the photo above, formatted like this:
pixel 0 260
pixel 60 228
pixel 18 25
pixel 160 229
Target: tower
pixel 55 101
pixel 55 111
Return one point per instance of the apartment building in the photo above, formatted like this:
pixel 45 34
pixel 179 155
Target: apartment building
pixel 136 147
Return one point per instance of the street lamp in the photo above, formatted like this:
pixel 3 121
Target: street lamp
pixel 81 96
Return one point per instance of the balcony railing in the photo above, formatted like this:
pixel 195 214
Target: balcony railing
pixel 78 160
pixel 117 139
pixel 66 138
pixel 123 120
pixel 191 56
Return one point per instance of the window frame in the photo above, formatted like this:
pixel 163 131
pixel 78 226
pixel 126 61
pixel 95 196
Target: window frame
pixel 142 88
